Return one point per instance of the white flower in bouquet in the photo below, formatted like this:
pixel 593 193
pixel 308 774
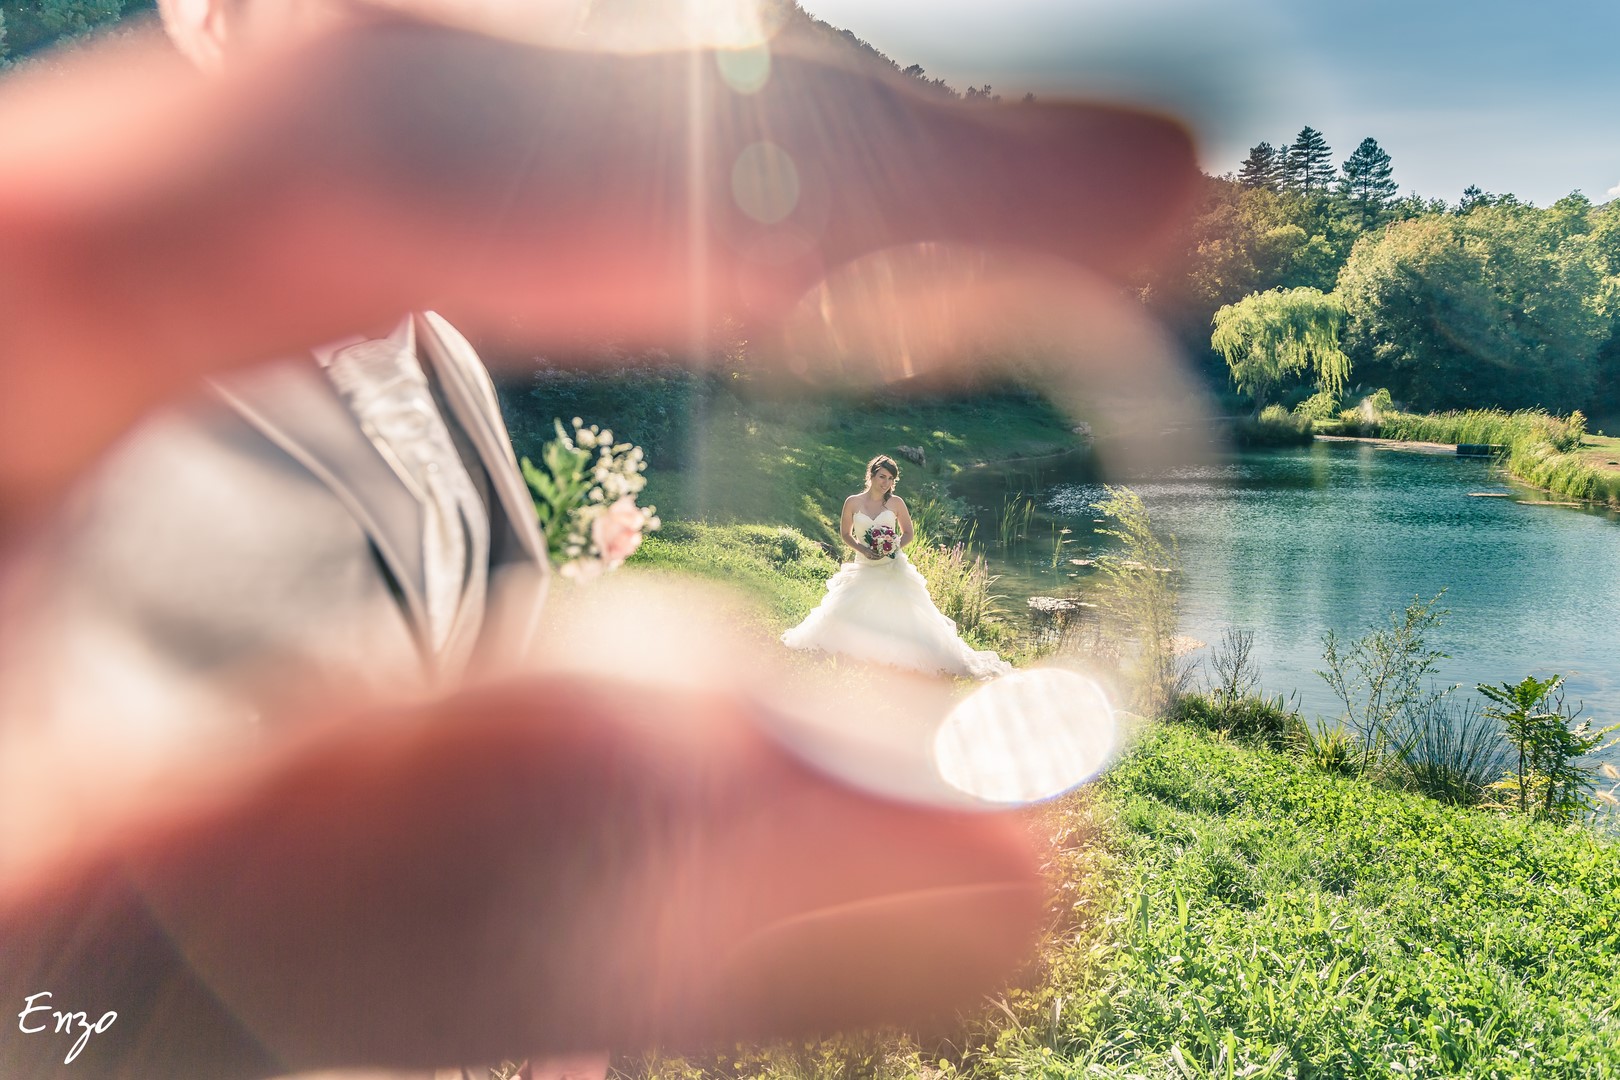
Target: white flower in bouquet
pixel 585 496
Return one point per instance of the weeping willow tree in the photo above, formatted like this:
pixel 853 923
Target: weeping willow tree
pixel 1268 336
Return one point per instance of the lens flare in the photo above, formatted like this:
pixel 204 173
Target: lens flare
pixel 1026 737
pixel 765 182
pixel 745 70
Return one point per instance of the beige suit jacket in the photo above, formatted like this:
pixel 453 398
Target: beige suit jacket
pixel 238 564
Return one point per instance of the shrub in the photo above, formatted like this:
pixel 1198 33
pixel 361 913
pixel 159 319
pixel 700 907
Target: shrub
pixel 1382 680
pixel 1548 780
pixel 1275 426
pixel 1321 405
pixel 1233 666
pixel 1268 722
pixel 1453 754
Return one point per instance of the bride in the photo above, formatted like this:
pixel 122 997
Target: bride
pixel 877 608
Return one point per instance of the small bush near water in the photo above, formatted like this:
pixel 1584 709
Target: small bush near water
pixel 1264 721
pixel 1550 777
pixel 1275 426
pixel 786 572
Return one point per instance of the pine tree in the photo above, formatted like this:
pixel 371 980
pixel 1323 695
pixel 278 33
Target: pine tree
pixel 1308 168
pixel 1364 180
pixel 1263 167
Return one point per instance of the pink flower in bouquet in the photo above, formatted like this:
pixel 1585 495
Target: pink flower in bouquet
pixel 882 540
pixel 617 532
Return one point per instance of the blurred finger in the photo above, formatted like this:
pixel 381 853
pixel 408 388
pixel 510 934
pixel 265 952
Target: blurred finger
pixel 188 226
pixel 546 867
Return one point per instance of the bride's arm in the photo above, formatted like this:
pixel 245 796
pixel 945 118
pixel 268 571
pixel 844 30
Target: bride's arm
pixel 902 517
pixel 846 528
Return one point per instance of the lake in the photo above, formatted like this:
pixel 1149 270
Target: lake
pixel 1291 543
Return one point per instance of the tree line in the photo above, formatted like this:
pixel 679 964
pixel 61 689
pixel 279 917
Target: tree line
pixel 28 26
pixel 1303 283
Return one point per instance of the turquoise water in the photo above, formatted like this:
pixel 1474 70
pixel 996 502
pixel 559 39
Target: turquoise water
pixel 1292 543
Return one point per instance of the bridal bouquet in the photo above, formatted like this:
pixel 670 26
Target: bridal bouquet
pixel 585 496
pixel 881 539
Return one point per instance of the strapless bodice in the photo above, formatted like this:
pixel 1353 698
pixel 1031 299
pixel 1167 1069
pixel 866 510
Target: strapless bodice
pixel 879 520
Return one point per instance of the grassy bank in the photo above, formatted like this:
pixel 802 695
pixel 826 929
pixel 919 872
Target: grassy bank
pixel 1261 915
pixel 1549 452
pixel 784 573
pixel 791 464
pixel 1227 911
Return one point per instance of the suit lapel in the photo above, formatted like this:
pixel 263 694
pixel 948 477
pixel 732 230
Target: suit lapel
pixel 294 406
pixel 517 586
pixel 471 397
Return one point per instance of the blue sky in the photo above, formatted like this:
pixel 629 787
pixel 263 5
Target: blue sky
pixel 1510 96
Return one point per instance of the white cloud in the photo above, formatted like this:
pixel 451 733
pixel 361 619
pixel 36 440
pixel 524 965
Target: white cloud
pixel 1614 190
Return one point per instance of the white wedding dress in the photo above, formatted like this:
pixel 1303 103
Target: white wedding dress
pixel 879 611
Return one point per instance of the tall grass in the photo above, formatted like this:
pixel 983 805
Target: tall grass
pixel 959 580
pixel 1491 427
pixel 1060 540
pixel 1454 755
pixel 1542 464
pixel 1275 426
pixel 1537 447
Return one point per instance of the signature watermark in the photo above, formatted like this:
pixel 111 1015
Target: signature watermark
pixel 64 1023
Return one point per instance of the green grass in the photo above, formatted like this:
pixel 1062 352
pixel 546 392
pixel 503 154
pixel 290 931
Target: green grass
pixel 779 569
pixel 1601 451
pixel 1222 910
pixel 1263 916
pixel 784 575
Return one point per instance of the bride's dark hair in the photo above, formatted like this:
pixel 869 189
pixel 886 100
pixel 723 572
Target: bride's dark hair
pixel 882 461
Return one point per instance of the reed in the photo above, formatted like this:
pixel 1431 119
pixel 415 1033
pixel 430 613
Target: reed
pixel 959 580
pixel 1060 541
pixel 1486 427
pixel 1013 523
pixel 1454 756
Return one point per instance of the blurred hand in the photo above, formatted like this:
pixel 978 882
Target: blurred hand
pixel 159 225
pixel 543 867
